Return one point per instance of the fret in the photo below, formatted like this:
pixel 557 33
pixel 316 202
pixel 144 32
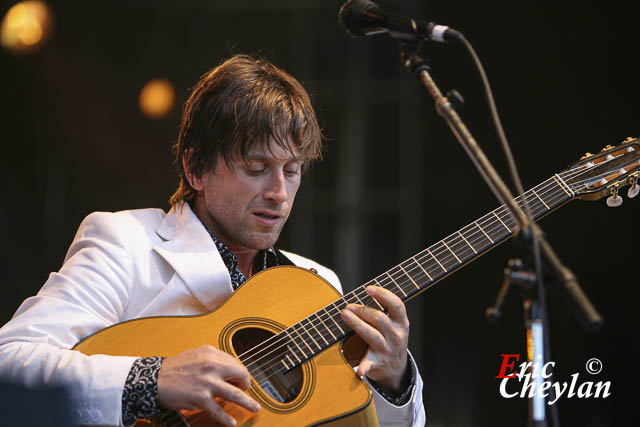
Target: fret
pixel 409 276
pixel 289 359
pixel 539 198
pixel 313 325
pixel 483 232
pixel 293 352
pixel 396 283
pixel 563 185
pixel 421 268
pixel 302 339
pixel 325 325
pixel 505 225
pixel 285 364
pixel 362 301
pixel 334 320
pixel 310 336
pixel 447 246
pixel 375 300
pixel 358 298
pixel 297 345
pixel 467 242
pixel 441 266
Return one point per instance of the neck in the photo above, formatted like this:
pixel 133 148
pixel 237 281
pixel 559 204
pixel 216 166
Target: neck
pixel 246 258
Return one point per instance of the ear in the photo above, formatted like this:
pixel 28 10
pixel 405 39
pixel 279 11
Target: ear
pixel 196 182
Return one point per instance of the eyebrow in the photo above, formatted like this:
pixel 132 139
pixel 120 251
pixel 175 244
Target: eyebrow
pixel 264 157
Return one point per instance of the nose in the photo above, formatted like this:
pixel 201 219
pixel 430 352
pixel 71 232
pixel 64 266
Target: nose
pixel 277 188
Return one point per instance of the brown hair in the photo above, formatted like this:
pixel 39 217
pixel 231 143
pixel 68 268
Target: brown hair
pixel 240 103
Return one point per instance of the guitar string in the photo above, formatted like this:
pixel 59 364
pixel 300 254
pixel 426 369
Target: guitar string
pixel 313 334
pixel 391 284
pixel 405 282
pixel 400 265
pixel 444 240
pixel 401 284
pixel 332 328
pixel 345 298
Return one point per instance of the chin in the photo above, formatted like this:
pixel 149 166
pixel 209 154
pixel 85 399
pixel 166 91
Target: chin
pixel 265 242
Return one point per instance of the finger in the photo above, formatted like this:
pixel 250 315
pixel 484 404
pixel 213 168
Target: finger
pixel 394 305
pixel 365 366
pixel 364 330
pixel 217 413
pixel 233 394
pixel 237 374
pixel 373 317
pixel 223 365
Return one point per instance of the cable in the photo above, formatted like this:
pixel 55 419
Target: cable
pixel 519 188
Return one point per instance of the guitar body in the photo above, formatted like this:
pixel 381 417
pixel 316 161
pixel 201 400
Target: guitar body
pixel 323 390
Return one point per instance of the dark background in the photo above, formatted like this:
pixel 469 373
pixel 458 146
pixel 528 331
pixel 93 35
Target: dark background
pixel 394 181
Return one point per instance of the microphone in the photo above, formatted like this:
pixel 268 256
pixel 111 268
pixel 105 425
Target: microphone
pixel 365 18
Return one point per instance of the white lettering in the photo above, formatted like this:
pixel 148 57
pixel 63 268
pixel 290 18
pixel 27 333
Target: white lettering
pixel 574 378
pixel 546 385
pixel 544 369
pixel 551 391
pixel 583 393
pixel 529 386
pixel 559 391
pixel 503 389
pixel 599 386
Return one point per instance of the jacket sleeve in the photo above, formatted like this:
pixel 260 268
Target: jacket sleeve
pixel 89 293
pixel 411 413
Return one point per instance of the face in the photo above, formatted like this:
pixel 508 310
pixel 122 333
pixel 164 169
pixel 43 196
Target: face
pixel 246 204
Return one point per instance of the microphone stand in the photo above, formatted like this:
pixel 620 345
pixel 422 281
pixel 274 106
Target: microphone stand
pixel 535 308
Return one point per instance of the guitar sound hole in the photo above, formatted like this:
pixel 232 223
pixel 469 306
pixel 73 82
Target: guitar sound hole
pixel 280 386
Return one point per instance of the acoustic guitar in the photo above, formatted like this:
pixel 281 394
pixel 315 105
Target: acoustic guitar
pixel 284 323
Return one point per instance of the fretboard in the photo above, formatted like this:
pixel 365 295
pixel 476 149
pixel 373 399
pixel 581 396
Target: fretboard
pixel 310 336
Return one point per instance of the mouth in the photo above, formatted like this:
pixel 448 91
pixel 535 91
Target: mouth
pixel 267 218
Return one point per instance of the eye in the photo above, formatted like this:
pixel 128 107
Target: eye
pixel 291 172
pixel 255 172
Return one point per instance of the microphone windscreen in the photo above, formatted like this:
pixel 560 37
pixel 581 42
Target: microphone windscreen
pixel 358 16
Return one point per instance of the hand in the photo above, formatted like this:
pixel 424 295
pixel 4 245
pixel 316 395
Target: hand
pixel 194 378
pixel 385 361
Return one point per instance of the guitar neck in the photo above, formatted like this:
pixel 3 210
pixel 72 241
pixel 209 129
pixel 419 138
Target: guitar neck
pixel 413 276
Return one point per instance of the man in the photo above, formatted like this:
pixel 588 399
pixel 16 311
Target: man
pixel 248 132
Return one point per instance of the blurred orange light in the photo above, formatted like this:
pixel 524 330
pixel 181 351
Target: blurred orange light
pixel 25 25
pixel 156 98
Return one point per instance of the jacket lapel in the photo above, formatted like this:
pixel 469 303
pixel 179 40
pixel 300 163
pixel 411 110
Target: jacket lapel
pixel 189 250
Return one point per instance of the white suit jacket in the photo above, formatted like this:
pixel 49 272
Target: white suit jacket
pixel 121 266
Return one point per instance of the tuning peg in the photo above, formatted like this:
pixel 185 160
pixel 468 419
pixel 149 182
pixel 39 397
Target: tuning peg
pixel 634 189
pixel 614 200
pixel 608 147
pixel 586 155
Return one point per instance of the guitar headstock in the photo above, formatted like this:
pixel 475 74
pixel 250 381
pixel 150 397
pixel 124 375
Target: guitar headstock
pixel 604 174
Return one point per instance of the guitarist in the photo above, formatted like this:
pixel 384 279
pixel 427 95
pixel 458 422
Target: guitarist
pixel 248 133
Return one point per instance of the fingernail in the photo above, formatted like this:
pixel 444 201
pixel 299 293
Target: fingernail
pixel 347 313
pixel 371 290
pixel 351 308
pixel 256 408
